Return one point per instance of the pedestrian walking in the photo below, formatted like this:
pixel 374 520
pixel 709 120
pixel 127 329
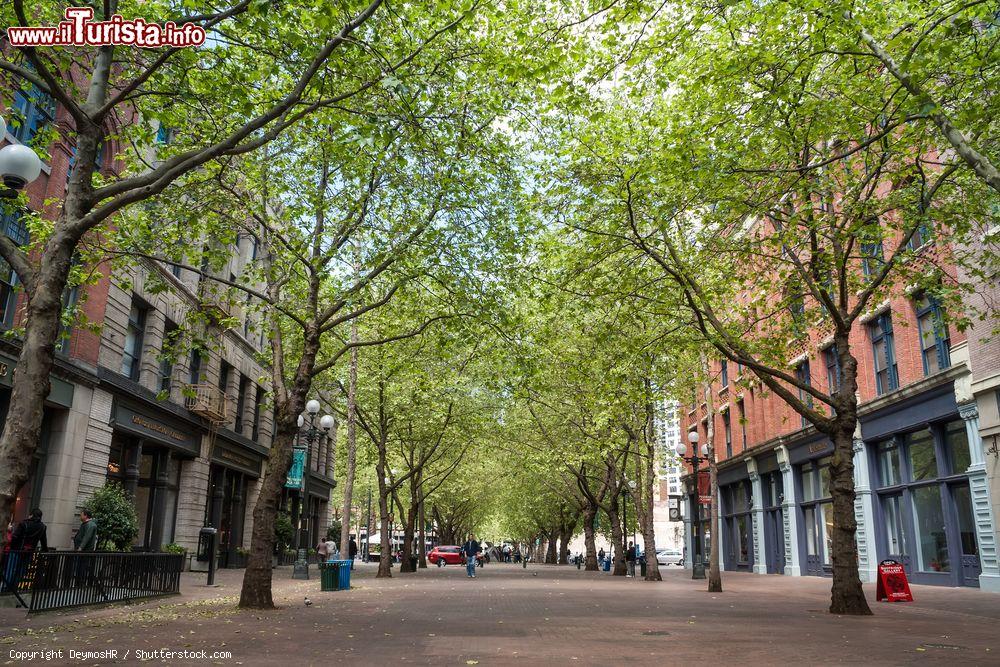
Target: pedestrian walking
pixel 322 551
pixel 471 550
pixel 352 551
pixel 600 556
pixel 332 549
pixel 630 559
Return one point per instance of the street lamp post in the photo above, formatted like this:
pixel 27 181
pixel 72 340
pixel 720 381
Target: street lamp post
pixel 19 165
pixel 697 559
pixel 311 434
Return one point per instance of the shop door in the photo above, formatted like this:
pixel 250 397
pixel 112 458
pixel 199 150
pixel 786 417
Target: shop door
pixel 962 508
pixel 776 548
pixel 896 532
pixel 814 536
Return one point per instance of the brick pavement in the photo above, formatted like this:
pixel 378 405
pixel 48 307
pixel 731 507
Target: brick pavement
pixel 540 616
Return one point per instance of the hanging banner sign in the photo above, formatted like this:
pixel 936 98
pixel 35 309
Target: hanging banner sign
pixel 704 488
pixel 892 584
pixel 296 474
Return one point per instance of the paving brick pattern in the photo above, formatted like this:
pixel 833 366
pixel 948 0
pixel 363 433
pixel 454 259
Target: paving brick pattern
pixel 543 615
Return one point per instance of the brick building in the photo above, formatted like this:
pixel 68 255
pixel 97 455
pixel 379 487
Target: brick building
pixel 922 492
pixel 186 434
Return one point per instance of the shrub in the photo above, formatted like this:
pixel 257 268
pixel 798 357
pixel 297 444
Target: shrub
pixel 283 531
pixel 173 548
pixel 117 523
pixel 333 532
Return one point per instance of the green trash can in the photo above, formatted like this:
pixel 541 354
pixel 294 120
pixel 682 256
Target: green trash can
pixel 329 577
pixel 642 567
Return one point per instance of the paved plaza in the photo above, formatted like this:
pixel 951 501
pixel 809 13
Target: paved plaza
pixel 542 615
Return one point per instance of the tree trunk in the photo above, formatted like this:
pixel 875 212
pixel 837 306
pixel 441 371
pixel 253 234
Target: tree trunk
pixel 256 593
pixel 714 572
pixel 846 595
pixel 422 550
pixel 385 555
pixel 617 540
pixel 645 500
pixel 352 442
pixel 589 539
pixel 551 557
pixel 409 529
pixel 565 535
pixel 22 430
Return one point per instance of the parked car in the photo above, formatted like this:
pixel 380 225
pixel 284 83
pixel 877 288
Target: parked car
pixel 445 555
pixel 669 557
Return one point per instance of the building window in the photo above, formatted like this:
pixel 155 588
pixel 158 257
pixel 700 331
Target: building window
pixel 241 401
pixel 70 297
pixel 175 269
pixel 886 376
pixel 796 307
pixel 167 351
pixel 34 110
pixel 727 428
pixel 194 366
pixel 724 377
pixel 258 399
pixel 935 344
pixel 225 370
pixel 743 421
pixel 921 236
pixel 833 376
pixel 888 463
pixel 872 258
pixel 163 134
pixel 132 353
pixel 803 375
pixel 14 226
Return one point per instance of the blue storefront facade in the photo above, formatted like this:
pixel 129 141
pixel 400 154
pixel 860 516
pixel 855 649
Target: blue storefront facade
pixel 922 496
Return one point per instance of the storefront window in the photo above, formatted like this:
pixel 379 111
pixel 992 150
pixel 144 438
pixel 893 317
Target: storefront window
pixel 808 483
pixel 741 528
pixel 811 541
pixel 957 442
pixel 824 478
pixel 932 541
pixel 892 514
pixel 888 463
pixel 826 511
pixel 966 525
pixel 923 460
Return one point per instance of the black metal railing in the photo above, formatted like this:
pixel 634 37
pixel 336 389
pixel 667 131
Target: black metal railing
pixel 59 579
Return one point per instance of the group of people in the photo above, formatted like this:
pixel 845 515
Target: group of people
pixel 632 556
pixel 328 550
pixel 29 536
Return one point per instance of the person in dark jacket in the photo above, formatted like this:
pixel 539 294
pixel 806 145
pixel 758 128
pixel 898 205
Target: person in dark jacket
pixel 471 550
pixel 86 537
pixel 30 533
pixel 630 560
pixel 352 551
pixel 24 540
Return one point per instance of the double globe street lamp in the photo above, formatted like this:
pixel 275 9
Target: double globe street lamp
pixel 308 430
pixel 19 165
pixel 697 559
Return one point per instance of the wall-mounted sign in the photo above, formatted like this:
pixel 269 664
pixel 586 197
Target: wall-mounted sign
pixel 161 428
pixel 60 392
pixel 296 474
pixel 231 457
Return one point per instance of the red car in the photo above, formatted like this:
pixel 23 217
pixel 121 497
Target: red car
pixel 446 555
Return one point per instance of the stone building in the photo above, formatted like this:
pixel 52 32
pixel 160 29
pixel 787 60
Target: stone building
pixel 179 415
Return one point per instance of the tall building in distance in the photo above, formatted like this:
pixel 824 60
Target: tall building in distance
pixel 669 531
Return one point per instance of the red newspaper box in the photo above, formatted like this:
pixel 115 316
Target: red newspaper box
pixel 892 585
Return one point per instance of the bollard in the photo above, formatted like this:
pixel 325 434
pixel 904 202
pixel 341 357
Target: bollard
pixel 209 534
